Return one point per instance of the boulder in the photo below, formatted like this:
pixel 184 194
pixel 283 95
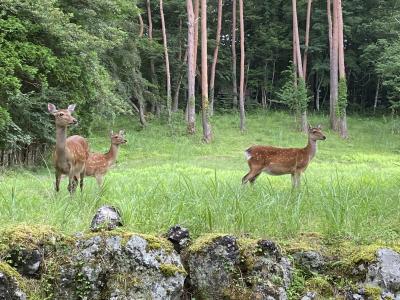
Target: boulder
pixel 121 267
pixel 106 218
pixel 311 261
pixel 225 267
pixel 179 237
pixel 385 272
pixel 9 286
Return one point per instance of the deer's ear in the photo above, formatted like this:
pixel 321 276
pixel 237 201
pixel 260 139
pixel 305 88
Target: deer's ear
pixel 309 126
pixel 111 133
pixel 52 108
pixel 319 126
pixel 71 107
pixel 121 132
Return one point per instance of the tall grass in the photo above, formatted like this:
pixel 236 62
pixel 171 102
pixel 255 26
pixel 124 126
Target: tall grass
pixel 351 188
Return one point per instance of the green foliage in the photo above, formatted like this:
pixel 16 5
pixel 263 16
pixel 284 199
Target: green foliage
pixel 294 95
pixel 342 98
pixel 388 67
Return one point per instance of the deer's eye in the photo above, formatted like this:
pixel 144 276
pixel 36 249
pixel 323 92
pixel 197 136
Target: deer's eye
pixel 61 114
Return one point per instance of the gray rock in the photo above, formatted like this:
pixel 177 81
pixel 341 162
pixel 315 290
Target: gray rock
pixel 309 296
pixel 106 218
pixel 112 267
pixel 179 236
pixel 220 270
pixel 385 272
pixel 355 297
pixel 27 262
pixel 9 289
pixel 311 261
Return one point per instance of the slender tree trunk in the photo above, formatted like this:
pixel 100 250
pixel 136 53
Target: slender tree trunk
pixel 307 38
pixel 191 114
pixel 214 64
pixel 296 37
pixel 141 26
pixel 234 80
pixel 297 55
pixel 376 96
pixel 196 8
pixel 155 105
pixel 167 71
pixel 196 31
pixel 175 99
pixel 342 72
pixel 242 58
pixel 207 136
pixel 333 30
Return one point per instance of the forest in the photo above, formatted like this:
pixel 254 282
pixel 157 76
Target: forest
pixel 194 100
pixel 115 58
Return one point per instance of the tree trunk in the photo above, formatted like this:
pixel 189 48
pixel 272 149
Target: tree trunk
pixel 297 55
pixel 234 80
pixel 342 73
pixel 207 136
pixel 191 113
pixel 214 64
pixel 376 96
pixel 155 105
pixel 141 26
pixel 167 71
pixel 175 100
pixel 307 38
pixel 333 31
pixel 242 58
pixel 296 37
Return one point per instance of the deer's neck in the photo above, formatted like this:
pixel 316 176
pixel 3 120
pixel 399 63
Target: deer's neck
pixel 61 137
pixel 311 148
pixel 112 154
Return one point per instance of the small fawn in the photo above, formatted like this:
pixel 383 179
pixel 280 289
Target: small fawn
pixel 98 164
pixel 281 161
pixel 71 153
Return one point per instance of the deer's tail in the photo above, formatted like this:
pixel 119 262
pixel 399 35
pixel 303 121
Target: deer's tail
pixel 247 153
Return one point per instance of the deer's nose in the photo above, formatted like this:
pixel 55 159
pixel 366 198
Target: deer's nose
pixel 74 121
pixel 324 137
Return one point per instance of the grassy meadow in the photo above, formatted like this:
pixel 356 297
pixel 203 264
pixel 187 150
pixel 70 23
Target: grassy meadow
pixel 350 190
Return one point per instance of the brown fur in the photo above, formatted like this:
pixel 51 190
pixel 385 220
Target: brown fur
pixel 98 164
pixel 281 161
pixel 71 153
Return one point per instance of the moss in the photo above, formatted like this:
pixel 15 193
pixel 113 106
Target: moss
pixel 320 285
pixel 13 274
pixel 373 292
pixel 203 241
pixel 248 250
pixel 169 270
pixel 31 237
pixel 156 243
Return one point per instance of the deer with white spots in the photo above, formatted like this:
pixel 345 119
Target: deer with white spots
pixel 71 153
pixel 98 164
pixel 282 161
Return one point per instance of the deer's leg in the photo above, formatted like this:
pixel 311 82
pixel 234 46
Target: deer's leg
pixel 252 175
pixel 99 179
pixel 58 179
pixel 81 183
pixel 296 180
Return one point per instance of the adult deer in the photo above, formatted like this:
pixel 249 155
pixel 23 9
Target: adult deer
pixel 281 161
pixel 71 153
pixel 98 164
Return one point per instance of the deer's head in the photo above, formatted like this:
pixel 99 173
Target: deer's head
pixel 315 133
pixel 118 138
pixel 63 116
